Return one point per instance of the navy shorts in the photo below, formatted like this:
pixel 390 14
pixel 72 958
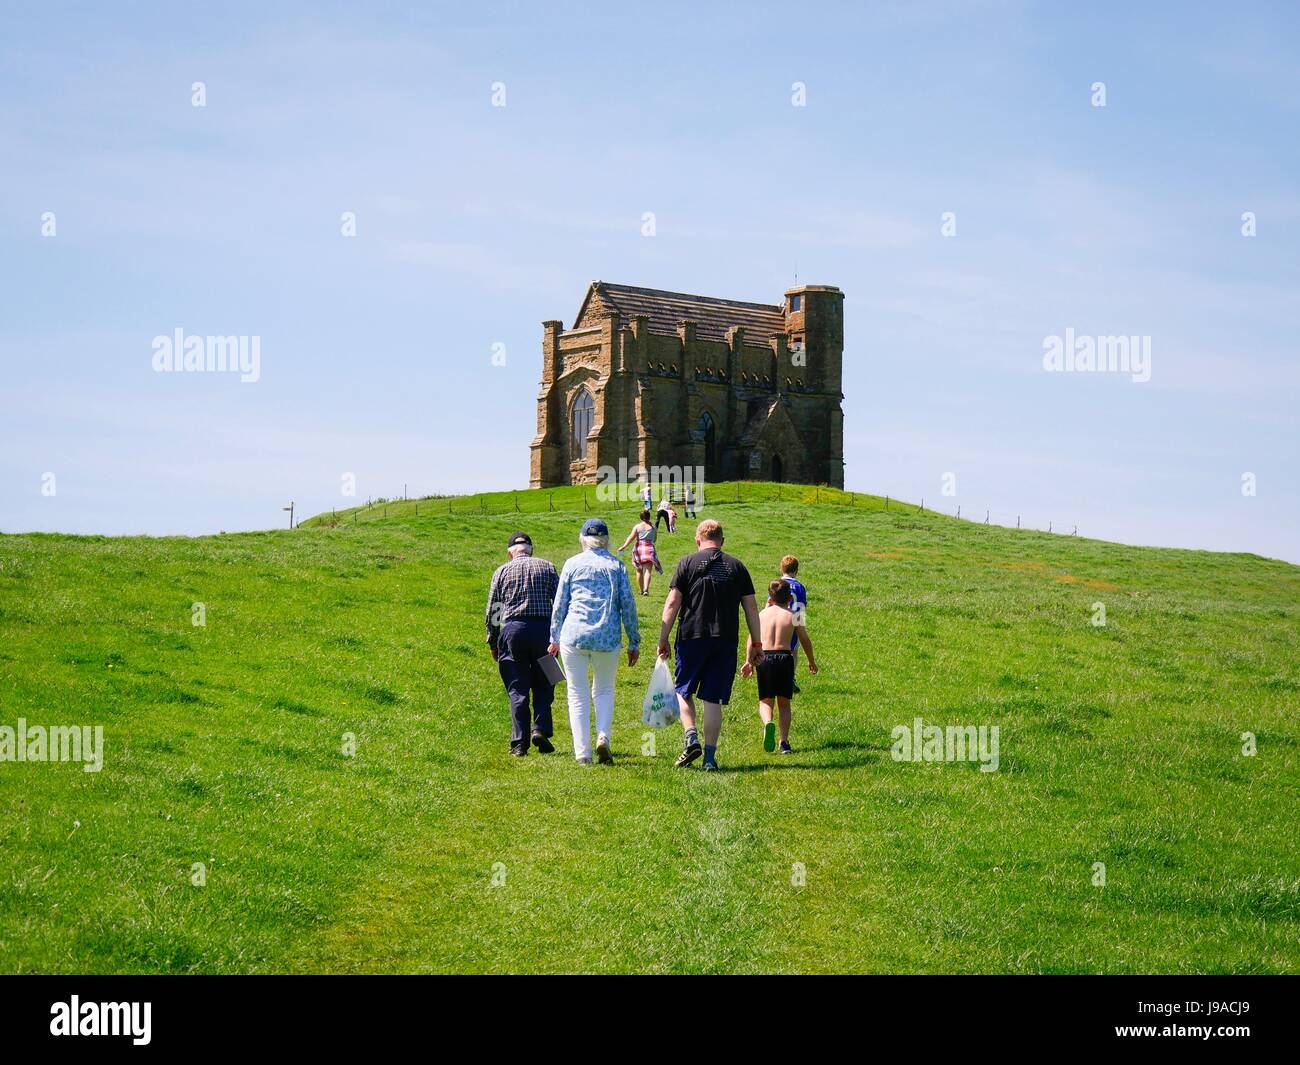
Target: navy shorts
pixel 706 667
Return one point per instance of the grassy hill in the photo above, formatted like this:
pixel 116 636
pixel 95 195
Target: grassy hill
pixel 224 745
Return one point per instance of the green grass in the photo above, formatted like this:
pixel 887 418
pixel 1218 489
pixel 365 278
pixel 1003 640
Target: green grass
pixel 1119 744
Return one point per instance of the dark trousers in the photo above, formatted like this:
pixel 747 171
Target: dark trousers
pixel 661 515
pixel 520 646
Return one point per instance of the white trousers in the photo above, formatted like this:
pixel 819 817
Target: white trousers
pixel 603 665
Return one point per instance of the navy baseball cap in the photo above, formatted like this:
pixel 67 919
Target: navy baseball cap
pixel 595 527
pixel 519 538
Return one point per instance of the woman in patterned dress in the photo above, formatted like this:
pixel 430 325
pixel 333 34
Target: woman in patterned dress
pixel 644 556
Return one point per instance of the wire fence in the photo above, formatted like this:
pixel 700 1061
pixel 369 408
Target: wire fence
pixel 1004 519
pixel 614 498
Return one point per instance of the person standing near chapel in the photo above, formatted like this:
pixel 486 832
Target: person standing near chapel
pixel 520 600
pixel 663 513
pixel 708 590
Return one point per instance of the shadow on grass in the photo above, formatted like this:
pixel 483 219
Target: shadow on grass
pixel 847 745
pixel 786 763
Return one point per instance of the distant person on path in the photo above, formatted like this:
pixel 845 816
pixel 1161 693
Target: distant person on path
pixel 644 556
pixel 779 624
pixel 708 589
pixel 594 600
pixel 688 499
pixel 664 513
pixel 647 497
pixel 519 605
pixel 798 601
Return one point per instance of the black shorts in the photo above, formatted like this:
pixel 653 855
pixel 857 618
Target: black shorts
pixel 776 675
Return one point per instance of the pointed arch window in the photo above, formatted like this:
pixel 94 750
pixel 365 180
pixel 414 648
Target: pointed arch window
pixel 709 431
pixel 584 413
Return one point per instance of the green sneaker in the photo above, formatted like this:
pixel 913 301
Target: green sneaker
pixel 769 737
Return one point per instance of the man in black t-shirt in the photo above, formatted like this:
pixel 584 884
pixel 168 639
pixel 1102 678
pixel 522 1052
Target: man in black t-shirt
pixel 707 590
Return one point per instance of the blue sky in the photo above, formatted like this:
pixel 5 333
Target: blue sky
pixel 475 223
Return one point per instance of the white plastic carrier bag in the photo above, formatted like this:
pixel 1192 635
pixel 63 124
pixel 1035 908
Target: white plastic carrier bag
pixel 660 706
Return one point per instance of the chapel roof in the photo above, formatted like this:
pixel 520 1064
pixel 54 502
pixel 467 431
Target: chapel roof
pixel 713 316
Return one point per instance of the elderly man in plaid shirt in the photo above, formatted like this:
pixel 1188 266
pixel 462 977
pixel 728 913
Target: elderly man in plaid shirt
pixel 519 606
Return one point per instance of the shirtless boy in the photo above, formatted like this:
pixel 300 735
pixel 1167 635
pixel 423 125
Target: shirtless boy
pixel 779 627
